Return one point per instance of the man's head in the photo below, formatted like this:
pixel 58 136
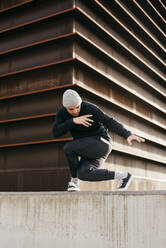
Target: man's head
pixel 72 102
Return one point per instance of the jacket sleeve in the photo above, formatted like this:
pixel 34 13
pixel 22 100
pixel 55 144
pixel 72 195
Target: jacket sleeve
pixel 110 123
pixel 61 126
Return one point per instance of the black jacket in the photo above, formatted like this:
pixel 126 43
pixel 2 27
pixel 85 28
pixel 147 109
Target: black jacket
pixel 100 127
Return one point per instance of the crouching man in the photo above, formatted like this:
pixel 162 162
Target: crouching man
pixel 91 144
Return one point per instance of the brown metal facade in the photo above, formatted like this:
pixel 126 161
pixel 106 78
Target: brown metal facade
pixel 112 53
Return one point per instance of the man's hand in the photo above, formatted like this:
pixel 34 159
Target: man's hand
pixel 84 120
pixel 134 137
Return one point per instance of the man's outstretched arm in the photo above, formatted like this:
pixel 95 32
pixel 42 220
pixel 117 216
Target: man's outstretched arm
pixel 114 126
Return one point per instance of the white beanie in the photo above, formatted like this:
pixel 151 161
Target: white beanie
pixel 71 98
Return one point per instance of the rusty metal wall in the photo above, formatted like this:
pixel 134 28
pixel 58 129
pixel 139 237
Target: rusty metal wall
pixel 120 58
pixel 112 52
pixel 36 63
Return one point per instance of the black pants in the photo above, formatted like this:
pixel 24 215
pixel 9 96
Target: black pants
pixel 85 157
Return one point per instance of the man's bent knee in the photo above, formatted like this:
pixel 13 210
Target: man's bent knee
pixel 84 174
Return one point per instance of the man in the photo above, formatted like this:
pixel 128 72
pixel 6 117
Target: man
pixel 91 143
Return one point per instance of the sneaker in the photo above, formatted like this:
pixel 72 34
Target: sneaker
pixel 125 182
pixel 72 187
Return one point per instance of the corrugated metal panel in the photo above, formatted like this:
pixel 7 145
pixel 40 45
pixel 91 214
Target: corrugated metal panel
pixel 122 60
pixel 112 52
pixel 36 48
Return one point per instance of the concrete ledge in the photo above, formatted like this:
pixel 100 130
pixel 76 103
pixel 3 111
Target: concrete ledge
pixel 85 219
pixel 150 192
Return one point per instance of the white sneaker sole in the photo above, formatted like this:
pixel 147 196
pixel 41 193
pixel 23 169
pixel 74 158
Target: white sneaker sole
pixel 73 189
pixel 127 185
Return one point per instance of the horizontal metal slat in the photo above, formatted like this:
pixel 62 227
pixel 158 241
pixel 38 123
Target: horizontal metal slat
pixel 27 131
pixel 33 104
pixel 9 5
pixel 35 34
pixel 30 170
pixel 28 118
pixel 37 67
pixel 33 143
pixel 36 91
pixel 36 11
pixel 37 80
pixel 161 3
pixel 36 56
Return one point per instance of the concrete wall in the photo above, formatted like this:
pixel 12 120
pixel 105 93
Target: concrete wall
pixel 86 219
